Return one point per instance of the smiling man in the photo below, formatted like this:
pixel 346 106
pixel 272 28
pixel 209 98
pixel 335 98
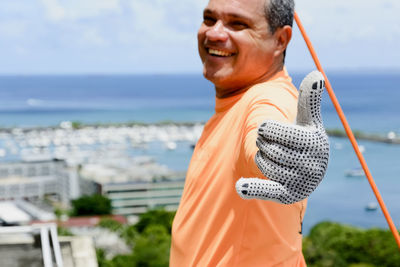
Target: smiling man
pixel 242 45
pixel 237 46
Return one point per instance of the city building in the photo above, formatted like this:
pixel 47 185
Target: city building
pixel 137 197
pixel 38 178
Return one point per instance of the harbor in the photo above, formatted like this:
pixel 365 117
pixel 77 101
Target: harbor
pixel 390 138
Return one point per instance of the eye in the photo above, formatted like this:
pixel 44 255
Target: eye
pixel 238 25
pixel 208 20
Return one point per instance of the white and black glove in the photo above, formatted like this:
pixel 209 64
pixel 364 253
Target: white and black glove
pixel 293 156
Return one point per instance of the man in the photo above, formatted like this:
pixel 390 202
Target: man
pixel 242 46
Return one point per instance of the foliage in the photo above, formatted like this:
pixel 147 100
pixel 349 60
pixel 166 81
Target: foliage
pixel 61 231
pixel 110 224
pixel 91 205
pixel 152 247
pixel 336 132
pixel 149 238
pixel 101 257
pixel 117 261
pixel 76 125
pixel 58 212
pixel 328 244
pixel 155 217
pixel 129 234
pixel 332 244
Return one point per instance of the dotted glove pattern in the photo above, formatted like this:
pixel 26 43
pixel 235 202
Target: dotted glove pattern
pixel 293 156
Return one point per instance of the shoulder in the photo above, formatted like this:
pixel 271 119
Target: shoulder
pixel 279 94
pixel 276 90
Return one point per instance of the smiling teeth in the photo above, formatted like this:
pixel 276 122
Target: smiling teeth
pixel 219 53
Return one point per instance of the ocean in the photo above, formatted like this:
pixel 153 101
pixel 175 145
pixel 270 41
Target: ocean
pixel 370 102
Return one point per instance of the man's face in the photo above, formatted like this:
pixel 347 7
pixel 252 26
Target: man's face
pixel 235 44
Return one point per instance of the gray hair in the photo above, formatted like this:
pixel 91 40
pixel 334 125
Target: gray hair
pixel 279 13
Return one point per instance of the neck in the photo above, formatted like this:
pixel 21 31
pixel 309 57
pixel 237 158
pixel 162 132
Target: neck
pixel 223 92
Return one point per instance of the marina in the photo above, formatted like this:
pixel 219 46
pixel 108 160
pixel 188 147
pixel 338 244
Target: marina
pixel 131 135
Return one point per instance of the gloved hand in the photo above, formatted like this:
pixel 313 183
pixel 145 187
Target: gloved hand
pixel 293 156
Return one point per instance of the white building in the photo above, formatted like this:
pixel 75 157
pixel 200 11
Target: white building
pixel 30 179
pixel 134 185
pixel 137 197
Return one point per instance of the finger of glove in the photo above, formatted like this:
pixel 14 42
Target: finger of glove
pixel 299 183
pixel 304 167
pixel 280 154
pixel 255 188
pixel 275 171
pixel 304 176
pixel 309 103
pixel 289 135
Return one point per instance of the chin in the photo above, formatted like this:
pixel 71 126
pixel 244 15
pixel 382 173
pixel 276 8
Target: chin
pixel 218 77
pixel 217 81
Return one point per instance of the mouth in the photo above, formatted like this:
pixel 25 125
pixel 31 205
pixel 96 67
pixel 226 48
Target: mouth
pixel 218 53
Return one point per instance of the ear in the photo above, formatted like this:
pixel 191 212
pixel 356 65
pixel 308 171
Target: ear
pixel 283 36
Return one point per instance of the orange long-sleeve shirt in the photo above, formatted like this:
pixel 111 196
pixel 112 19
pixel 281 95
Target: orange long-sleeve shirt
pixel 213 225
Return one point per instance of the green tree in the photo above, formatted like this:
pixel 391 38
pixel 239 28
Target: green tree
pixel 380 248
pixel 61 231
pixel 129 234
pixel 333 244
pixel 155 217
pixel 76 125
pixel 101 258
pixel 91 205
pixel 110 224
pixel 152 247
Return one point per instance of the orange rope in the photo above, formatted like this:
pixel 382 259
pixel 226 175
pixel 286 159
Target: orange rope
pixel 349 132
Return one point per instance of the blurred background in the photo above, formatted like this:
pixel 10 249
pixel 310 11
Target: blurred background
pixel 102 101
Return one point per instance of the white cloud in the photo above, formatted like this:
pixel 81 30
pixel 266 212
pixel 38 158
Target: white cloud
pixel 349 34
pixel 165 21
pixel 54 10
pixel 79 9
pixel 349 20
pixel 135 35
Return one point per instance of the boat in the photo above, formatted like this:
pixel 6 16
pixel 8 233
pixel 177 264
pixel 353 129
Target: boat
pixel 356 172
pixel 170 145
pixel 372 206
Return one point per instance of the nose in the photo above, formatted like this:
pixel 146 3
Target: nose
pixel 217 32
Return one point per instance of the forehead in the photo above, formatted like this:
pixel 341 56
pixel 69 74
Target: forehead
pixel 245 8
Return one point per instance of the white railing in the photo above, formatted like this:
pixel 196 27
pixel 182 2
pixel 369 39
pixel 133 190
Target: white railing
pixel 45 230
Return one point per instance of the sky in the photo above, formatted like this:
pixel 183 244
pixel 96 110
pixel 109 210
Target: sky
pixel 159 36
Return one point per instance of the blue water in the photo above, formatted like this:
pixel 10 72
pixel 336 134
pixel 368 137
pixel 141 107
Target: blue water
pixel 371 103
pixel 42 100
